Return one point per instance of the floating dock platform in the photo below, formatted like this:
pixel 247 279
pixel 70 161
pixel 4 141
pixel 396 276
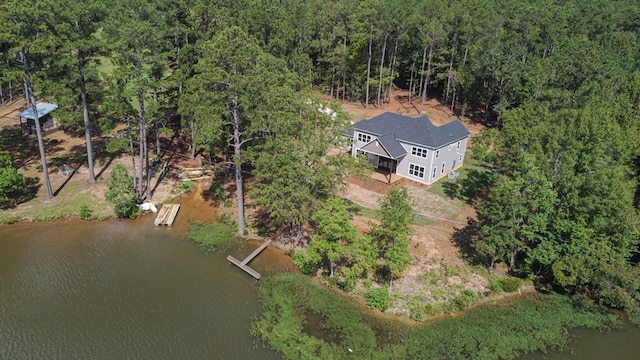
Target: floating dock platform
pixel 167 214
pixel 243 264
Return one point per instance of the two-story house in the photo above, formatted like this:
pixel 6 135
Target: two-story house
pixel 411 147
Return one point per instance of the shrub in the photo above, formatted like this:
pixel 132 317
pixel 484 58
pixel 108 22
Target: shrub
pixel 510 284
pixel 10 180
pixel 187 186
pixel 496 286
pixel 306 264
pixel 465 300
pixel 218 192
pixel 378 298
pixel 85 212
pixel 120 192
pixel 213 237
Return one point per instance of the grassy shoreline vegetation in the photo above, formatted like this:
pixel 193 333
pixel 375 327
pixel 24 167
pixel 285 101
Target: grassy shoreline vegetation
pixel 294 307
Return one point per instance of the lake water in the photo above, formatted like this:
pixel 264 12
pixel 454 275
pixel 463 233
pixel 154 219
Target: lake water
pixel 73 289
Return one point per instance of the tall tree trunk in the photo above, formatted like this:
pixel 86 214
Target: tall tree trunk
pixel 1 94
pixel 424 64
pixel 10 82
pixel 156 125
pixel 143 134
pixel 85 116
pixel 331 266
pixel 344 66
pixel 413 68
pixel 25 92
pixel 45 168
pixel 333 64
pixel 31 101
pixel 464 62
pixel 133 154
pixel 449 74
pixel 384 49
pixel 428 77
pixel 237 144
pixel 176 42
pixel 393 66
pixel 366 97
pixel 192 128
pixel 453 53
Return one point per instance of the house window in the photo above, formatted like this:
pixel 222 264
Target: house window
pixel 443 166
pixel 454 164
pixel 460 157
pixel 437 153
pixel 433 176
pixel 417 171
pixel 420 152
pixel 449 147
pixel 458 146
pixel 364 138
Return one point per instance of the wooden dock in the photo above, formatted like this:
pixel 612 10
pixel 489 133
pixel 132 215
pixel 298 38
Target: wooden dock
pixel 243 264
pixel 167 214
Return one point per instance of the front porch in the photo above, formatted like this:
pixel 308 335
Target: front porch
pixel 385 176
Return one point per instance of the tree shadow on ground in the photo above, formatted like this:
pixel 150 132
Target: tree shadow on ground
pixel 464 239
pixel 467 189
pixel 24 148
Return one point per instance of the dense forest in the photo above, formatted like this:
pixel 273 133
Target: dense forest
pixel 556 82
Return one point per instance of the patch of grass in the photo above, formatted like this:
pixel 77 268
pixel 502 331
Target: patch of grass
pixel 373 214
pixel 8 219
pixel 214 237
pixel 422 220
pixel 67 203
pixel 473 179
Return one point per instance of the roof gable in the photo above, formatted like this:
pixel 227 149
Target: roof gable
pixel 386 146
pixel 419 131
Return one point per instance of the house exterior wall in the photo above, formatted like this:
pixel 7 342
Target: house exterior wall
pixel 451 155
pixel 413 165
pixel 357 144
pixel 405 163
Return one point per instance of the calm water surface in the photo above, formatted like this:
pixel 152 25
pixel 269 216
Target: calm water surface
pixel 618 344
pixel 74 289
pixel 122 290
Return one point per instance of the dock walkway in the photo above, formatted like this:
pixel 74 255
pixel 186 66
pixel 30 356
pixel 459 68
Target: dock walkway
pixel 167 214
pixel 243 264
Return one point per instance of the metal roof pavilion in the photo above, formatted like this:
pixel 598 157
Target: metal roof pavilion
pixel 43 109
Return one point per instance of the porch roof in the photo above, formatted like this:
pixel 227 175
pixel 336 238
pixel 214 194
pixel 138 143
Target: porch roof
pixel 43 109
pixel 389 147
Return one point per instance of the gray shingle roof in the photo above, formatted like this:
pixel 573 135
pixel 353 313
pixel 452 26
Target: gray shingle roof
pixel 392 146
pixel 419 131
